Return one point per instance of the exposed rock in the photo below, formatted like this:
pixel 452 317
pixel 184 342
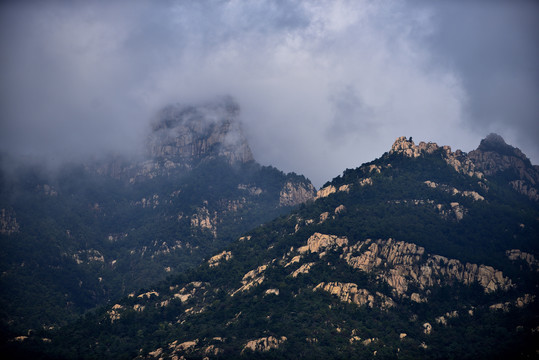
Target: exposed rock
pixel 354 338
pixel 401 264
pixel 212 350
pixel 452 211
pixel 427 328
pixel 517 255
pixel 150 202
pixel 217 259
pixel 457 160
pixel 182 134
pixel 473 194
pixel 294 260
pixel 148 294
pixel 345 188
pixel 271 292
pixel 202 220
pixel 319 242
pixel 87 256
pixel 8 222
pixel 185 346
pixel 524 188
pixel 264 344
pixel 458 210
pixel 190 290
pixel 417 298
pixel 115 312
pixel 325 192
pixel 366 181
pixel 350 293
pixel 303 269
pixel 296 193
pixel 156 353
pixel 524 300
pixel 340 209
pixel 367 342
pixel 323 217
pixel 252 190
pixel 495 156
pixel 251 279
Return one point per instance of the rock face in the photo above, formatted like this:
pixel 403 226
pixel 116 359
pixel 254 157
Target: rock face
pixel 187 133
pixel 217 259
pixel 494 156
pixel 264 344
pixel 400 264
pixel 319 242
pixel 458 160
pixel 403 264
pixel 350 293
pixel 296 193
pixel 518 255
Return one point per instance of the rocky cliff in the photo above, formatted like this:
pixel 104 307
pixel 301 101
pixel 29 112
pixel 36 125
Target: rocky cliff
pixel 494 156
pixel 183 134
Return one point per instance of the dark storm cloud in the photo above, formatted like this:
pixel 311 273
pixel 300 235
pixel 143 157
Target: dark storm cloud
pixel 495 49
pixel 323 85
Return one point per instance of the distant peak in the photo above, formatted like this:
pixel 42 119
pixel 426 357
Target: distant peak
pixel 493 141
pixel 203 130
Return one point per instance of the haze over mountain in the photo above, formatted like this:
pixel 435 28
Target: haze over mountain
pixel 424 252
pixel 92 232
pixel 323 85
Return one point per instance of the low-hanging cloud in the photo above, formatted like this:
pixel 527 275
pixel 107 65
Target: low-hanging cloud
pixel 323 86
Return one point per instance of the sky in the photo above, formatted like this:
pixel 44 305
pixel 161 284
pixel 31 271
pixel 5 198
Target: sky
pixel 322 85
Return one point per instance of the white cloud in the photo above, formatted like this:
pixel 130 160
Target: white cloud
pixel 323 85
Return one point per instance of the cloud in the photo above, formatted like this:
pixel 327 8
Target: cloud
pixel 323 85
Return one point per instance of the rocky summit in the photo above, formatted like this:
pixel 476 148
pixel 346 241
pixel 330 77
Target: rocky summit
pixel 94 232
pixel 496 158
pixel 421 253
pixel 190 133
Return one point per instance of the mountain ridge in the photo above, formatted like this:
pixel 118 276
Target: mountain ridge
pixel 398 257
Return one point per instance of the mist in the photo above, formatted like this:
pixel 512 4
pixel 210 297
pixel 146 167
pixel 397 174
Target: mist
pixel 323 86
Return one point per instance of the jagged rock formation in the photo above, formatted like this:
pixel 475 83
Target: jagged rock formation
pixel 494 156
pixel 187 133
pixel 350 293
pixel 518 255
pixel 458 159
pixel 401 264
pixel 217 259
pixel 264 344
pixel 296 193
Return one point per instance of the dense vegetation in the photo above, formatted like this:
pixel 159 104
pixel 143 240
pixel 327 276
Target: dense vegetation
pixel 399 205
pixel 85 238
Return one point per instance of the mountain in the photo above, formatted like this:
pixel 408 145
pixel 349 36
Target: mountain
pixel 495 158
pixel 95 231
pixel 417 254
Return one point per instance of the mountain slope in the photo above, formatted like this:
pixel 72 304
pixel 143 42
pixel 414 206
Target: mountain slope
pixel 414 255
pixel 95 232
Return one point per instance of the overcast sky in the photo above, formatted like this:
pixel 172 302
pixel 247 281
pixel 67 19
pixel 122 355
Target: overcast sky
pixel 323 85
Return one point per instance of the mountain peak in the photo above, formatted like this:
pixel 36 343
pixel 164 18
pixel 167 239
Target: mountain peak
pixel 496 143
pixel 193 132
pixel 495 156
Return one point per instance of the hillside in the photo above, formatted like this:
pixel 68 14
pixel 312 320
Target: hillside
pixel 417 254
pixel 93 232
